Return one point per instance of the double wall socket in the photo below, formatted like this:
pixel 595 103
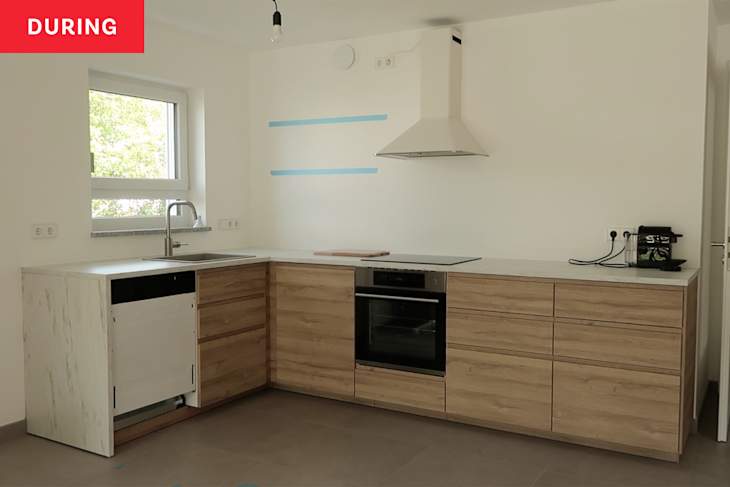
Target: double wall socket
pixel 44 230
pixel 385 62
pixel 619 229
pixel 228 224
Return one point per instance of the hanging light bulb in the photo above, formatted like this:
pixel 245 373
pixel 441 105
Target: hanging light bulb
pixel 277 32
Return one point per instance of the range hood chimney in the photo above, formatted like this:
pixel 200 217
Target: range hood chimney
pixel 440 131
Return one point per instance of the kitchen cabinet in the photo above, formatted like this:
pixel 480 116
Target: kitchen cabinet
pixel 614 368
pixel 624 366
pixel 625 407
pixel 218 285
pixel 620 344
pixel 232 365
pixel 507 295
pixel 499 351
pixel 232 316
pixel 312 329
pixel 232 335
pixel 605 364
pixel 499 389
pixel 641 305
pixel 399 389
pixel 500 331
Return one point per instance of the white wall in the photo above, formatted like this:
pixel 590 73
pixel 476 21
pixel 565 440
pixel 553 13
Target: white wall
pixel 44 144
pixel 594 116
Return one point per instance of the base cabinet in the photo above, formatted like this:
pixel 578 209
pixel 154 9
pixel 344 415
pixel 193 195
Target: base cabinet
pixel 232 332
pixel 313 329
pixel 637 409
pixel 232 365
pixel 497 388
pixel 399 389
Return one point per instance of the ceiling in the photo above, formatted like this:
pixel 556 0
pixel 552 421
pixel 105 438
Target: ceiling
pixel 248 22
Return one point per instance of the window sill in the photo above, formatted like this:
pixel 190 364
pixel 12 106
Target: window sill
pixel 151 231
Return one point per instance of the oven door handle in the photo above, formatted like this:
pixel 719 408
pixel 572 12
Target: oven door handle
pixel 396 298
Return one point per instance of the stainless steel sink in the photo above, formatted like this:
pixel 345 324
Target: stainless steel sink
pixel 202 257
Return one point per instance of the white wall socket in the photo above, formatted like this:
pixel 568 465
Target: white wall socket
pixel 44 230
pixel 619 229
pixel 385 62
pixel 228 224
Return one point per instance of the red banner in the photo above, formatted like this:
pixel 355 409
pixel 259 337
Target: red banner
pixel 72 26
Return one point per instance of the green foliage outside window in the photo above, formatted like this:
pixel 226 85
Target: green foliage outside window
pixel 129 139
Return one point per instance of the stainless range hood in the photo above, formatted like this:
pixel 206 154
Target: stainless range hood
pixel 440 131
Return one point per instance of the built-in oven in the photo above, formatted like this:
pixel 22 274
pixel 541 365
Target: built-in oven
pixel 400 319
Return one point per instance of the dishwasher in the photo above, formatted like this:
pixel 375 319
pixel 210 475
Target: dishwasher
pixel 154 339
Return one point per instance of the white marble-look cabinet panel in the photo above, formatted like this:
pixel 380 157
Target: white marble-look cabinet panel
pixel 68 360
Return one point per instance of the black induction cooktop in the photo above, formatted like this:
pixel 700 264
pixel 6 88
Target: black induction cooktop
pixel 422 259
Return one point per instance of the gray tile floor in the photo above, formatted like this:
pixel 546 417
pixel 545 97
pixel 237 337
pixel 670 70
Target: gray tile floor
pixel 277 438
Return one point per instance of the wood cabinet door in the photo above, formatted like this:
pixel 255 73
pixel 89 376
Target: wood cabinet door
pixel 624 345
pixel 639 409
pixel 215 285
pixel 622 304
pixel 313 329
pixel 232 316
pixel 500 331
pixel 501 295
pixel 232 365
pixel 400 389
pixel 497 388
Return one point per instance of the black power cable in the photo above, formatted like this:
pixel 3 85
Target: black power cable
pixel 605 260
pixel 614 265
pixel 598 260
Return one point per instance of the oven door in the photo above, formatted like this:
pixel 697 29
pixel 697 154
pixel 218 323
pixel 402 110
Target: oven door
pixel 401 329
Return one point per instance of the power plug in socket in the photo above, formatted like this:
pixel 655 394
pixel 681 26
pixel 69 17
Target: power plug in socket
pixel 620 230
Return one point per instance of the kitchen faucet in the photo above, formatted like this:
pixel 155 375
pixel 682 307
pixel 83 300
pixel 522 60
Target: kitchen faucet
pixel 171 244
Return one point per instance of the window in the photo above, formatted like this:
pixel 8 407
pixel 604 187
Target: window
pixel 137 133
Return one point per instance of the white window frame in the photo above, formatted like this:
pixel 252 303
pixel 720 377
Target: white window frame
pixel 127 188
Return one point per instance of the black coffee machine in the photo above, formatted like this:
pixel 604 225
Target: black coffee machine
pixel 654 249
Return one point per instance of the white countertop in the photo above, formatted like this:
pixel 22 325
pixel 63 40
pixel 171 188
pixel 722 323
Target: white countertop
pixel 118 269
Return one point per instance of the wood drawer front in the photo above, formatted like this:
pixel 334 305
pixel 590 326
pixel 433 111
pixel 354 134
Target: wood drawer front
pixel 499 388
pixel 642 306
pixel 232 316
pixel 314 335
pixel 500 331
pixel 231 282
pixel 317 364
pixel 400 388
pixel 638 409
pixel 500 295
pixel 232 365
pixel 310 286
pixel 621 345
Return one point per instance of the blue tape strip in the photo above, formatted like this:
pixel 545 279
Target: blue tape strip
pixel 324 171
pixel 329 120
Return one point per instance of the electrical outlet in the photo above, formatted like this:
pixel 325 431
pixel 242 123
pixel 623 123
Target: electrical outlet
pixel 228 224
pixel 386 62
pixel 619 229
pixel 44 230
pixel 51 230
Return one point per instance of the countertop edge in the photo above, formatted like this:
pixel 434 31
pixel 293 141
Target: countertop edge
pixel 147 267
